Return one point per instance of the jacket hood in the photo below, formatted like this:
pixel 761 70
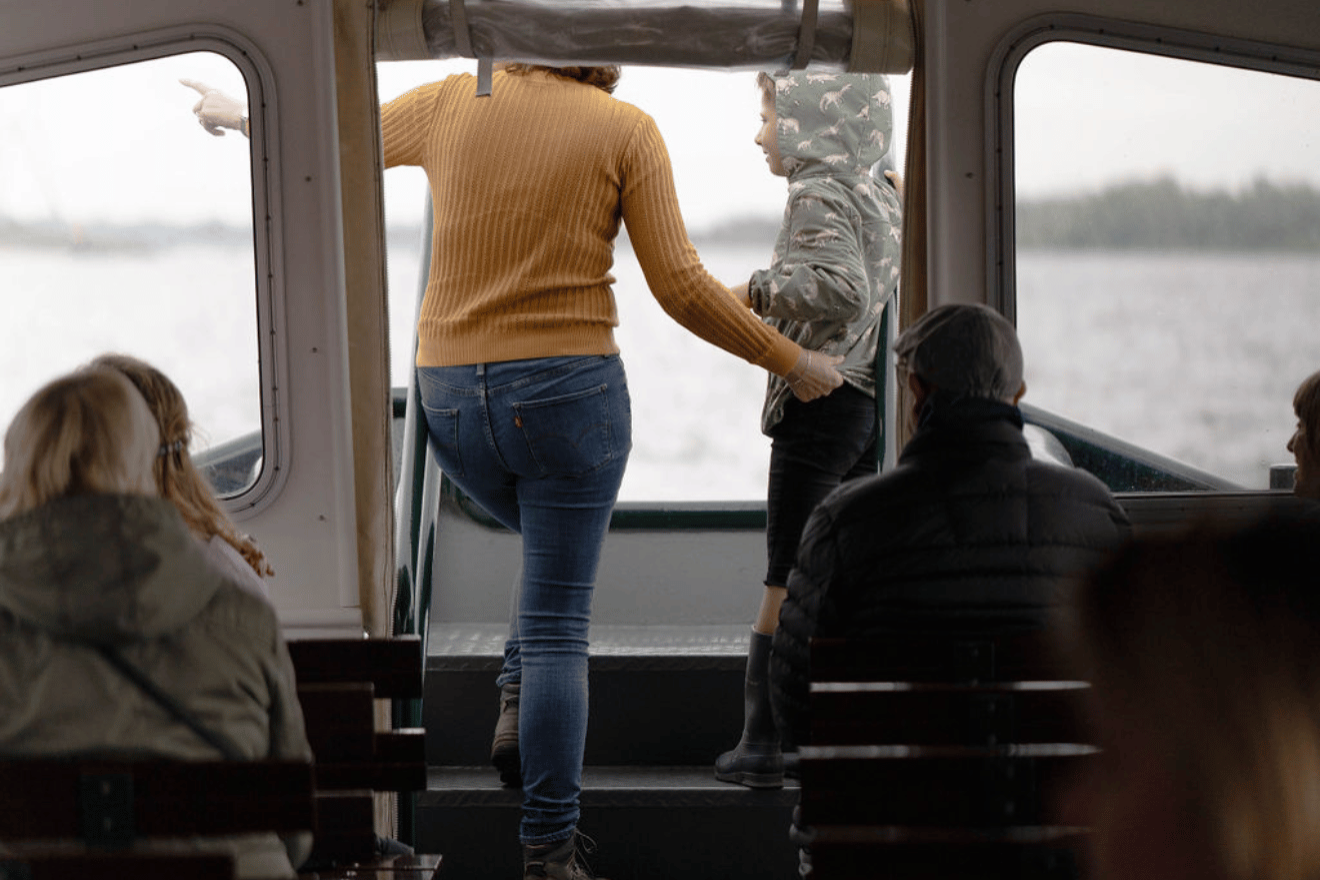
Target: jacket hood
pixel 946 410
pixel 107 569
pixel 967 428
pixel 838 123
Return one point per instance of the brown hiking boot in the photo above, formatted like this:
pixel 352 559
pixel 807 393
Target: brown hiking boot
pixel 504 753
pixel 557 860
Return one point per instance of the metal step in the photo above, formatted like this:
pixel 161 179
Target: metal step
pixel 649 823
pixel 669 695
pixel 664 702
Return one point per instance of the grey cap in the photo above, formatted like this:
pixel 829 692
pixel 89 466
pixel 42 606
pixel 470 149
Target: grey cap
pixel 965 349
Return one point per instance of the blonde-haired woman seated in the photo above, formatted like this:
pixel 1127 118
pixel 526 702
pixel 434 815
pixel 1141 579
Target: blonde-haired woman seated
pixel 1201 648
pixel 1305 441
pixel 97 571
pixel 179 481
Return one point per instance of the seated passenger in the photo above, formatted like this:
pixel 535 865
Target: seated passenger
pixel 1201 651
pixel 967 530
pixel 1304 444
pixel 97 570
pixel 179 481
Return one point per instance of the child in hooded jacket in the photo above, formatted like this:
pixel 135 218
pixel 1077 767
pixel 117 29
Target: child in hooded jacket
pixel 835 266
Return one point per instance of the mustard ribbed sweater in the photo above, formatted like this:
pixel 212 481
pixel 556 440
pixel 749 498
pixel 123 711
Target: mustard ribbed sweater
pixel 528 187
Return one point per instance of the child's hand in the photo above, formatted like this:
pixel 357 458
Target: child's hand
pixel 814 375
pixel 742 293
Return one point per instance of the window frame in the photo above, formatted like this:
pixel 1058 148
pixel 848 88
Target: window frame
pixel 1001 255
pixel 265 188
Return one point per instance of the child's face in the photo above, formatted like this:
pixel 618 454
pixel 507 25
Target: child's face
pixel 767 137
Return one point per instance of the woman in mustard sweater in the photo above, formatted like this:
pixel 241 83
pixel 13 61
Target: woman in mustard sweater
pixel 519 373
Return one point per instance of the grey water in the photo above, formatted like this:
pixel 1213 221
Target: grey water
pixel 1192 355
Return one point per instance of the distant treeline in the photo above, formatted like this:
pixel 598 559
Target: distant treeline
pixel 1162 214
pixel 1156 215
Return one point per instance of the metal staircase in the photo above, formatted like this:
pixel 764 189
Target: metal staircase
pixel 665 700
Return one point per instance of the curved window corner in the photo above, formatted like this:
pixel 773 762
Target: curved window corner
pixel 1165 259
pixel 125 227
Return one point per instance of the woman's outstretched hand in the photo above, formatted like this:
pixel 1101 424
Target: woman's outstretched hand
pixel 216 111
pixel 814 375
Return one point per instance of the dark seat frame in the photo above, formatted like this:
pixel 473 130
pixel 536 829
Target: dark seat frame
pixel 341 683
pixel 938 755
pixel 103 806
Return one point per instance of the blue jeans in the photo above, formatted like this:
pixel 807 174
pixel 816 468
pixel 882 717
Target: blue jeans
pixel 541 444
pixel 814 448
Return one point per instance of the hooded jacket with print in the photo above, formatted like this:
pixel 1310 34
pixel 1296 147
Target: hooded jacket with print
pixel 124 571
pixel 836 258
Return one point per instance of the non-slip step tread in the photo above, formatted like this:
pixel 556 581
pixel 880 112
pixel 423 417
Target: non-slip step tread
pixel 606 786
pixel 471 646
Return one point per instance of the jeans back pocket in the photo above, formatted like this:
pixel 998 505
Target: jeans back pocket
pixel 568 435
pixel 442 426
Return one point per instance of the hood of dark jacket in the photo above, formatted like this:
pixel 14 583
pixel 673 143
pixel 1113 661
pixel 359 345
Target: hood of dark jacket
pixel 954 423
pixel 832 123
pixel 107 569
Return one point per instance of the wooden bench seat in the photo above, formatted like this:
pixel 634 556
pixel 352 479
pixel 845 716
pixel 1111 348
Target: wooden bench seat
pixel 933 786
pixel 98 808
pixel 116 866
pixel 964 657
pixel 350 751
pixel 931 713
pixel 394 665
pixel 421 867
pixel 876 853
pixel 938 756
pixel 341 683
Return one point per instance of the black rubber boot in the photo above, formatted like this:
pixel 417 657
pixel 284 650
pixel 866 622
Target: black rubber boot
pixel 756 761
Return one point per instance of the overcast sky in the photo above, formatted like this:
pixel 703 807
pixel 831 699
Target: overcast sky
pixel 122 144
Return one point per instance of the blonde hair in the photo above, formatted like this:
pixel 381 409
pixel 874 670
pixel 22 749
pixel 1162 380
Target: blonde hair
pixel 604 78
pixel 177 478
pixel 1306 404
pixel 84 433
pixel 1209 638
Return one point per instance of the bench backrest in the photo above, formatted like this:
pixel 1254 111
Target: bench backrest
pixel 933 713
pixel 110 865
pixel 340 683
pixel 111 803
pixel 937 755
pixel 938 657
pixel 393 666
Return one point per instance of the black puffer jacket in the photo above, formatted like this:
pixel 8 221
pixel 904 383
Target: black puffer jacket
pixel 968 528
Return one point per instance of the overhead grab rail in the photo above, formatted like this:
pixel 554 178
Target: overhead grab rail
pixel 862 35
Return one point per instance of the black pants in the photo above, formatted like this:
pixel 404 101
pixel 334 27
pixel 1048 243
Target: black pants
pixel 814 448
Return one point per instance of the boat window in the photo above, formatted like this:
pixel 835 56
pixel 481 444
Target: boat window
pixel 696 409
pixel 1167 250
pixel 124 227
